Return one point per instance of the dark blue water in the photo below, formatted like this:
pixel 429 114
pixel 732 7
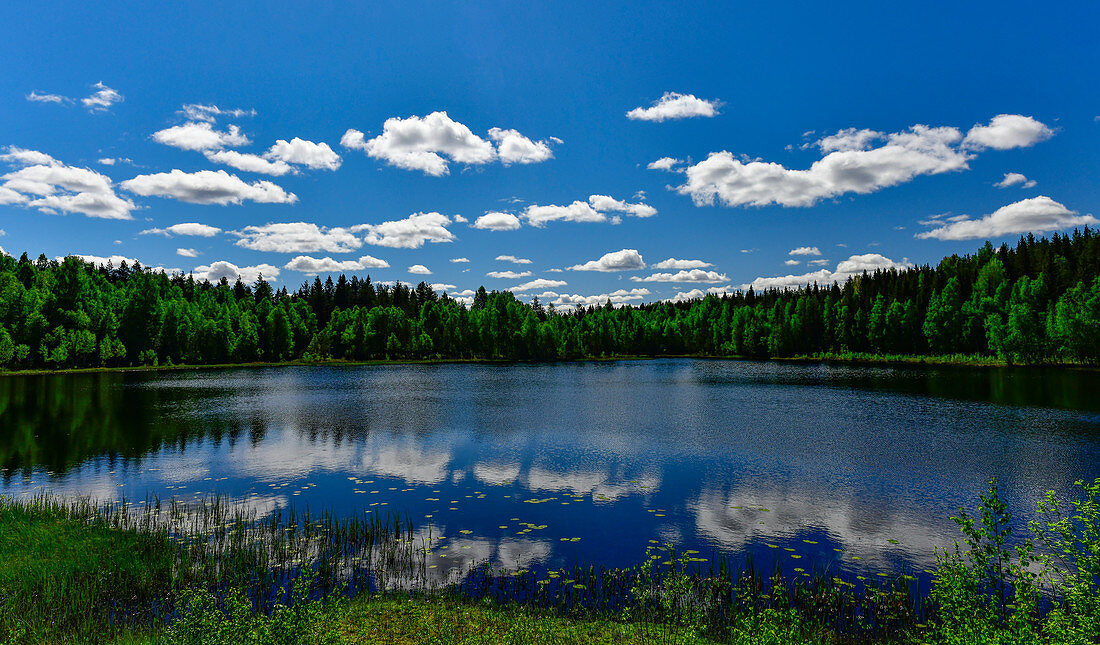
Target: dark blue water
pixel 850 469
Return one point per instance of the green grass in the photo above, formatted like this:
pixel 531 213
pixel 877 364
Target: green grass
pixel 79 573
pixel 62 570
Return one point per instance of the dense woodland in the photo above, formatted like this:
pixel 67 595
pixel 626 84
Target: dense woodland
pixel 1037 302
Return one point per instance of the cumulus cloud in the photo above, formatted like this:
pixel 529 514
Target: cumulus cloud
pixel 511 275
pixel 497 221
pixel 102 99
pixel 46 184
pixel 904 155
pixel 423 143
pixel 312 266
pixel 805 250
pixel 692 275
pixel 316 156
pixel 116 260
pixel 409 233
pixel 199 112
pixel 675 106
pixel 854 161
pixel 619 297
pixel 1015 179
pixel 297 237
pixel 513 147
pixel 1035 215
pixel 110 161
pixel 460 260
pixel 513 259
pixel 187 253
pixel 249 162
pixel 695 294
pixel 184 228
pixel 664 163
pixel 420 269
pixel 47 98
pixel 673 263
pixel 624 260
pixel 603 203
pixel 539 283
pixel 792 263
pixel 215 271
pixel 853 266
pixel 207 187
pixel 1007 131
pixel 200 136
pixel 594 210
pixel 430 143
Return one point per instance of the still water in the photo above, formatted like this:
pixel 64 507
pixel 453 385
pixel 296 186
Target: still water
pixel 855 470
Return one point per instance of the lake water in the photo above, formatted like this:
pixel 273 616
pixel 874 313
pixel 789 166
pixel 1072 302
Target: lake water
pixel 857 469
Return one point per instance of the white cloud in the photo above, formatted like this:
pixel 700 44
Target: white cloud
pixel 513 259
pixel 619 297
pixel 184 228
pixel 207 187
pixel 313 266
pixel 1007 131
pixel 441 286
pixel 53 187
pixel 102 99
pixel 199 112
pixel 199 136
pixel 664 163
pixel 420 269
pixel 116 260
pixel 110 161
pixel 409 233
pixel 510 275
pixel 1035 215
pixel 317 156
pixel 215 271
pixel 578 211
pixel 792 263
pixel 47 98
pixel 423 143
pixel 818 262
pixel 497 221
pixel 540 283
pixel 513 147
pixel 673 263
pixel 297 237
pixel 603 203
pixel 848 139
pixel 1015 179
pixel 695 294
pixel 805 250
pixel 249 162
pixel 675 106
pixel 624 260
pixel 459 260
pixel 187 253
pixel 853 266
pixel 693 275
pixel 920 151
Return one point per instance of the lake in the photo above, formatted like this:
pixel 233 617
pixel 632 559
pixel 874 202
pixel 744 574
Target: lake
pixel 852 469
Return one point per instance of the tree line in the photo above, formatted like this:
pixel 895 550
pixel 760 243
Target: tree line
pixel 1036 302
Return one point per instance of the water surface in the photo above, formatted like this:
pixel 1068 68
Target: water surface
pixel 853 469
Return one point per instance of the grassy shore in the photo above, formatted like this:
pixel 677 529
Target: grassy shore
pixel 854 358
pixel 76 572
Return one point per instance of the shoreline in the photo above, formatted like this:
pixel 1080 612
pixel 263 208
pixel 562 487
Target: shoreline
pixel 826 359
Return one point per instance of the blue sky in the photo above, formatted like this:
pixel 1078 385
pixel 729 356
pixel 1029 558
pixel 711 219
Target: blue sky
pixel 846 134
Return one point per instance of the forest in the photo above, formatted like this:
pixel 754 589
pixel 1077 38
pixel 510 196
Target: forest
pixel 1036 302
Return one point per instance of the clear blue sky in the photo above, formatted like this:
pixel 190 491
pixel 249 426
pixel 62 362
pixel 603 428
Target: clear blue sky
pixel 744 99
